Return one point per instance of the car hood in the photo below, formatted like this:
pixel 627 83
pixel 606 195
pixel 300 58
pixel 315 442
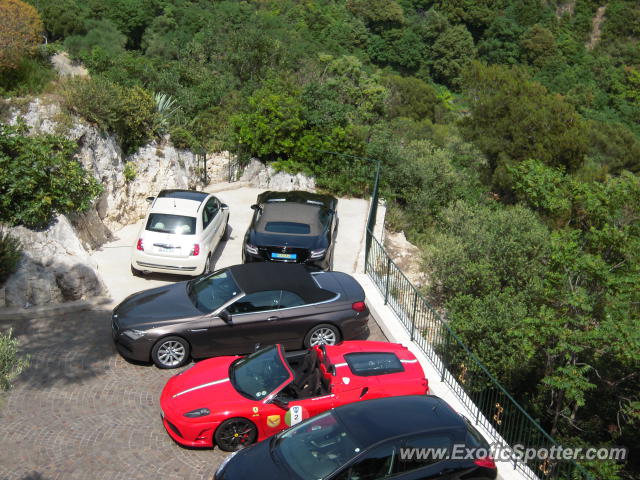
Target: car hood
pixel 155 305
pixel 255 461
pixel 280 240
pixel 206 384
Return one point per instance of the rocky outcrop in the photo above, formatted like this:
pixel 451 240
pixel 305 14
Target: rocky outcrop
pixel 56 265
pixel 259 175
pixel 154 167
pixel 406 256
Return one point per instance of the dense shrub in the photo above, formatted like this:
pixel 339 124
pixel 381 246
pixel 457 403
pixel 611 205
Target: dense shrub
pixel 19 32
pixel 129 112
pixel 10 364
pixel 10 254
pixel 30 77
pixel 39 178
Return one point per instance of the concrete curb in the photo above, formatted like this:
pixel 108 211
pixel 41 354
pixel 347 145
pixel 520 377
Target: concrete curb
pixel 52 310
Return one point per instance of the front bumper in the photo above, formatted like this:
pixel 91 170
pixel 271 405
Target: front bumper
pixel 138 350
pixel 190 434
pixel 162 264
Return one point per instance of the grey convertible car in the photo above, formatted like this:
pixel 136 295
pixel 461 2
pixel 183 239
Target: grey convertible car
pixel 236 309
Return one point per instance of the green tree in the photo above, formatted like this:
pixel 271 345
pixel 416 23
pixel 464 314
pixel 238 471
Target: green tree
pixel 513 118
pixel 412 98
pixel 377 12
pixel 39 178
pixel 450 55
pixel 19 32
pixel 273 125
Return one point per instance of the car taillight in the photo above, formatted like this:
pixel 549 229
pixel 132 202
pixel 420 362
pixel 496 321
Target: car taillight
pixel 359 306
pixel 139 245
pixel 195 251
pixel 486 462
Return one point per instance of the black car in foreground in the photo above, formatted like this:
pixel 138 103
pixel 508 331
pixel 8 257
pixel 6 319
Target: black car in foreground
pixel 234 310
pixel 370 440
pixel 292 227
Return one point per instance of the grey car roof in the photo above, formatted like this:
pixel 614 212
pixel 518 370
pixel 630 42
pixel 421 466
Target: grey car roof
pixel 307 214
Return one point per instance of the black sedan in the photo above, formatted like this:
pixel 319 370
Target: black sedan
pixel 404 438
pixel 292 227
pixel 235 310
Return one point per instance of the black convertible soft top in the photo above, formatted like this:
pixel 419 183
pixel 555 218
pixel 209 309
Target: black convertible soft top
pixel 294 277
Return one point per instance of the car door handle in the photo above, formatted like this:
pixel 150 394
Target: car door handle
pixel 271 319
pixel 198 330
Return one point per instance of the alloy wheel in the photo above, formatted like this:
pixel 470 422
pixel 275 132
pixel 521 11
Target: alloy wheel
pixel 323 336
pixel 171 353
pixel 235 434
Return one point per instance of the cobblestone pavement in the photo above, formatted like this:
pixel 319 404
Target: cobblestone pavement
pixel 82 412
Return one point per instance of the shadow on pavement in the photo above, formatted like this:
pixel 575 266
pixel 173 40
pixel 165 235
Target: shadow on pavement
pixel 65 348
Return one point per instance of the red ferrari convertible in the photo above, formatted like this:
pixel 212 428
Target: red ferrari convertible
pixel 234 401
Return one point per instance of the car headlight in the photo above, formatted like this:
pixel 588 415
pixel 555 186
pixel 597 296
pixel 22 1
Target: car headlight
pixel 198 412
pixel 134 334
pixel 224 463
pixel 252 249
pixel 319 253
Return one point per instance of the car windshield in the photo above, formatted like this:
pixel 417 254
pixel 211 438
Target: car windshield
pixel 260 374
pixel 210 292
pixel 317 447
pixel 292 228
pixel 167 223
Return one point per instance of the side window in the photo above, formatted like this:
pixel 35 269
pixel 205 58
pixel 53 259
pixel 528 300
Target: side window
pixel 290 299
pixel 256 302
pixel 423 450
pixel 209 211
pixel 380 463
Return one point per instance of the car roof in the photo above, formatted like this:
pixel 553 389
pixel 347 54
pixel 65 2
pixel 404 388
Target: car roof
pixel 259 277
pixel 193 195
pixel 298 196
pixel 175 206
pixel 179 202
pixel 306 214
pixel 373 421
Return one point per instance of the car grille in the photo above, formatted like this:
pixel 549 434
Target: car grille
pixel 301 254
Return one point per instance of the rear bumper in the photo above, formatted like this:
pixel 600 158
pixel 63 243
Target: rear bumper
pixel 322 264
pixel 357 328
pixel 180 266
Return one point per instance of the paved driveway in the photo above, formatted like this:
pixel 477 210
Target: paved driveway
pixel 82 412
pixel 114 258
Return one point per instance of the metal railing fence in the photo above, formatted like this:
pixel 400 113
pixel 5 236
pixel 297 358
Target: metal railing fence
pixel 472 383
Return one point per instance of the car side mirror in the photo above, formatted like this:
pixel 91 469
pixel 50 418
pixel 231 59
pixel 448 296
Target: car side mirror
pixel 224 206
pixel 255 207
pixel 150 199
pixel 278 402
pixel 225 316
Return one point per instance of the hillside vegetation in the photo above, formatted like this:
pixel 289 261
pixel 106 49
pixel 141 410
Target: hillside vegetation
pixel 508 131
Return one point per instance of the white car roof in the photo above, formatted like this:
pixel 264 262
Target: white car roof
pixel 176 206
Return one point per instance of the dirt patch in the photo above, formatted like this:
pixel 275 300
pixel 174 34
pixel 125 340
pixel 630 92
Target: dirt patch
pixel 596 28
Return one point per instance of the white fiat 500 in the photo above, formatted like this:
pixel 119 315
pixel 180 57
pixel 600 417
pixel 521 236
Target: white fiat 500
pixel 180 233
